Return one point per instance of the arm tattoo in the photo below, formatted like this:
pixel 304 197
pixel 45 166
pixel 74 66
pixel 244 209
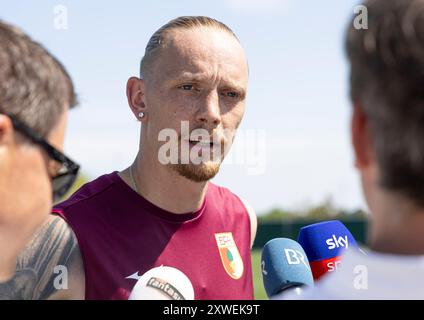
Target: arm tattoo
pixel 52 245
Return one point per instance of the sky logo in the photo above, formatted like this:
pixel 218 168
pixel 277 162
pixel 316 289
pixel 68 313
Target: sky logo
pixel 335 242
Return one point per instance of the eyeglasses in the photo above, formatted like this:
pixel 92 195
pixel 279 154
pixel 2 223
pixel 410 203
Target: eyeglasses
pixel 66 175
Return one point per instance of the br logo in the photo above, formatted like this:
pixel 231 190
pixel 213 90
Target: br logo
pixel 230 256
pixel 295 257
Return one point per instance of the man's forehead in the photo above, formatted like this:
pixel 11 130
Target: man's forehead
pixel 195 52
pixel 204 40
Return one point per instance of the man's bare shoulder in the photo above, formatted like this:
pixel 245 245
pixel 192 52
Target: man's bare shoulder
pixel 253 220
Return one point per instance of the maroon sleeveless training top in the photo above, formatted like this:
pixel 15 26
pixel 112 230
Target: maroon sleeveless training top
pixel 121 236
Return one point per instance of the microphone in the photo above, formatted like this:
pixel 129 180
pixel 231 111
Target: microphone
pixel 163 283
pixel 284 267
pixel 324 244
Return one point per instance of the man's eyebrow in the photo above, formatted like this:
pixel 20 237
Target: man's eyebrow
pixel 193 77
pixel 188 76
pixel 236 87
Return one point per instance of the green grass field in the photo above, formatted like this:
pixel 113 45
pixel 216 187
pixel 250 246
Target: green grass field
pixel 257 277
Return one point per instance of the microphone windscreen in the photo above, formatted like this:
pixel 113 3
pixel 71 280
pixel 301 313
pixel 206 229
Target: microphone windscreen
pixel 284 265
pixel 163 283
pixel 324 243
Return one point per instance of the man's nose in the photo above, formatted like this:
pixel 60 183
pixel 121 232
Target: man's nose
pixel 209 113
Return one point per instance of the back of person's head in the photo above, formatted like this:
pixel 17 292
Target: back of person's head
pixel 35 93
pixel 387 82
pixel 34 86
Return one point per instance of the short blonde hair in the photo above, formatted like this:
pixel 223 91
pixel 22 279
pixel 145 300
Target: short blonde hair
pixel 156 41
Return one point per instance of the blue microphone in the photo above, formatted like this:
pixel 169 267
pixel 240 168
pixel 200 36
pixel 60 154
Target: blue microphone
pixel 285 266
pixel 324 244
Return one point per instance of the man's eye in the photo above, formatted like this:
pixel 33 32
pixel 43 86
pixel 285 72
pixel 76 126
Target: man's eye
pixel 187 87
pixel 231 94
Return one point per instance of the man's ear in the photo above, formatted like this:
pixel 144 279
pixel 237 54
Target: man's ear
pixel 361 138
pixel 6 130
pixel 136 96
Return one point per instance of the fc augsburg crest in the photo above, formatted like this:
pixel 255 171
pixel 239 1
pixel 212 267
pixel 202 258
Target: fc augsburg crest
pixel 230 256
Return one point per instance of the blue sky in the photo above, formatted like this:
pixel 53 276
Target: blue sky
pixel 298 89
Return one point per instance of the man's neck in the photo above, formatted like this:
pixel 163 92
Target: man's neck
pixel 10 243
pixel 164 187
pixel 397 226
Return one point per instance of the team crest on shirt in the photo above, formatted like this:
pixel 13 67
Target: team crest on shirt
pixel 230 256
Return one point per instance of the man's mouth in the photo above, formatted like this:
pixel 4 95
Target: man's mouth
pixel 202 144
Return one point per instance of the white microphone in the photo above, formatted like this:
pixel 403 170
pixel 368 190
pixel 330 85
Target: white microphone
pixel 163 283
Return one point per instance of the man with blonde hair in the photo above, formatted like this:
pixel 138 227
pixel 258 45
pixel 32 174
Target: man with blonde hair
pixel 162 209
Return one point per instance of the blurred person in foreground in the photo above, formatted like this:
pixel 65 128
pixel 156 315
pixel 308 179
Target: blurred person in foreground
pixel 36 93
pixel 192 91
pixel 387 131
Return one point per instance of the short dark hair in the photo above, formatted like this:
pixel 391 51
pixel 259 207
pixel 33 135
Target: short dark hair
pixel 156 41
pixel 387 81
pixel 34 85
